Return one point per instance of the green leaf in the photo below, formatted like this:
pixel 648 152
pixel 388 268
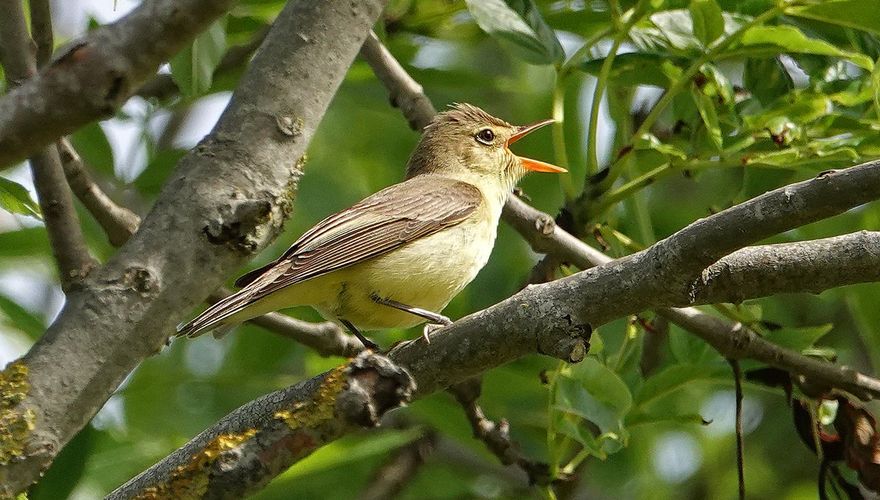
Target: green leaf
pixel 800 338
pixel 634 68
pixel 766 79
pixel 707 19
pixel 519 25
pixel 24 242
pixel 596 393
pixel 641 418
pixel 875 84
pixel 20 318
pixel 578 433
pixel 651 142
pixel 674 378
pixel 339 453
pixel 793 40
pixel 859 14
pixel 93 147
pixel 14 198
pixel 799 109
pixel 193 68
pixel 706 107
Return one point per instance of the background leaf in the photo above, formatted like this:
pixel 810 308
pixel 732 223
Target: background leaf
pixel 193 67
pixel 14 198
pixel 707 19
pixel 519 25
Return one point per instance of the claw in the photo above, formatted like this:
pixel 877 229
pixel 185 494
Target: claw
pixel 430 328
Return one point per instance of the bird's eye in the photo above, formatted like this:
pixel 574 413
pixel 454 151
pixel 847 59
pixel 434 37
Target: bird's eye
pixel 485 136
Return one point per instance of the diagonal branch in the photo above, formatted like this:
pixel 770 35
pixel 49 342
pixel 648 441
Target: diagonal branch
pixel 56 203
pixel 733 340
pixel 227 199
pixel 118 222
pixel 258 441
pixel 98 74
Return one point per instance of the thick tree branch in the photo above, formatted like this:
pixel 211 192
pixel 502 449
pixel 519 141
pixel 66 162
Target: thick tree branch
pixel 65 234
pixel 226 200
pixel 258 441
pixel 805 266
pixel 734 340
pixel 98 74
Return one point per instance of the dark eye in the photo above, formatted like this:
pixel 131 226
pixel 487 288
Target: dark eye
pixel 486 136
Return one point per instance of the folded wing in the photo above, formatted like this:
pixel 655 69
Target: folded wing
pixel 389 219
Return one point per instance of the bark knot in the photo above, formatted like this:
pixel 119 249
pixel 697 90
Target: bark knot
pixel 237 224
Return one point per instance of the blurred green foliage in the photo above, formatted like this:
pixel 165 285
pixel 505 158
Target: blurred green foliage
pixel 702 104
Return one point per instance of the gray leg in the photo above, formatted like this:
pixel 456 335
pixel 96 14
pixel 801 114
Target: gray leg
pixel 416 311
pixel 369 344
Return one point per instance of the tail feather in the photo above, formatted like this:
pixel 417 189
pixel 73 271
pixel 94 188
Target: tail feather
pixel 214 316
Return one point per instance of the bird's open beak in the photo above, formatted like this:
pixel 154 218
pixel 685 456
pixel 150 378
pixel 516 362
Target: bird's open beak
pixel 528 163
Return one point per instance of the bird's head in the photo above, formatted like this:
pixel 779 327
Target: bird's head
pixel 467 143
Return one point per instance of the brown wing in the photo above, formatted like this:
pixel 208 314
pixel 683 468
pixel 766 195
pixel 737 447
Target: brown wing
pixel 387 220
pixel 391 218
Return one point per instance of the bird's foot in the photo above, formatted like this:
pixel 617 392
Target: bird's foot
pixel 430 328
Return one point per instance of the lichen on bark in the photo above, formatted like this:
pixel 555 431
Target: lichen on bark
pixel 16 422
pixel 191 480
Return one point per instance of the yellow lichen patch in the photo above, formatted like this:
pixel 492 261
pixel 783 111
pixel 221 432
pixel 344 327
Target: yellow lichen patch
pixel 320 408
pixel 190 481
pixel 16 423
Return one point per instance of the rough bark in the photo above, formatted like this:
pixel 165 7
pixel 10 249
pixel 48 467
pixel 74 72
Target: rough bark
pixel 226 200
pixel 258 441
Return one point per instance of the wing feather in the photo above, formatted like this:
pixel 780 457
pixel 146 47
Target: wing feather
pixel 389 219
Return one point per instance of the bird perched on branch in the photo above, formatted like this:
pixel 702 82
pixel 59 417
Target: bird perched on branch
pixel 396 258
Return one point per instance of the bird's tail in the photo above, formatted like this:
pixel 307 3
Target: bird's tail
pixel 217 315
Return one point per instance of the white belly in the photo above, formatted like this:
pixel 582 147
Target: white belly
pixel 426 273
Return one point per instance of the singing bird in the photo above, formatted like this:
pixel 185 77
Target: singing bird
pixel 396 258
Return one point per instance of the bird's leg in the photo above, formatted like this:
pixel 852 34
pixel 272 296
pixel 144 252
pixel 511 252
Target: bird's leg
pixel 436 319
pixel 369 344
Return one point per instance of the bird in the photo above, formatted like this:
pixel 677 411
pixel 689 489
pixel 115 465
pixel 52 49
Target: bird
pixel 399 256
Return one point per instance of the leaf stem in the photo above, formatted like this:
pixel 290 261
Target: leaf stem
pixel 598 92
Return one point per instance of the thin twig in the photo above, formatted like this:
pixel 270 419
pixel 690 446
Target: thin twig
pixel 390 479
pixel 404 92
pixel 118 222
pixel 496 436
pixel 41 30
pixel 740 458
